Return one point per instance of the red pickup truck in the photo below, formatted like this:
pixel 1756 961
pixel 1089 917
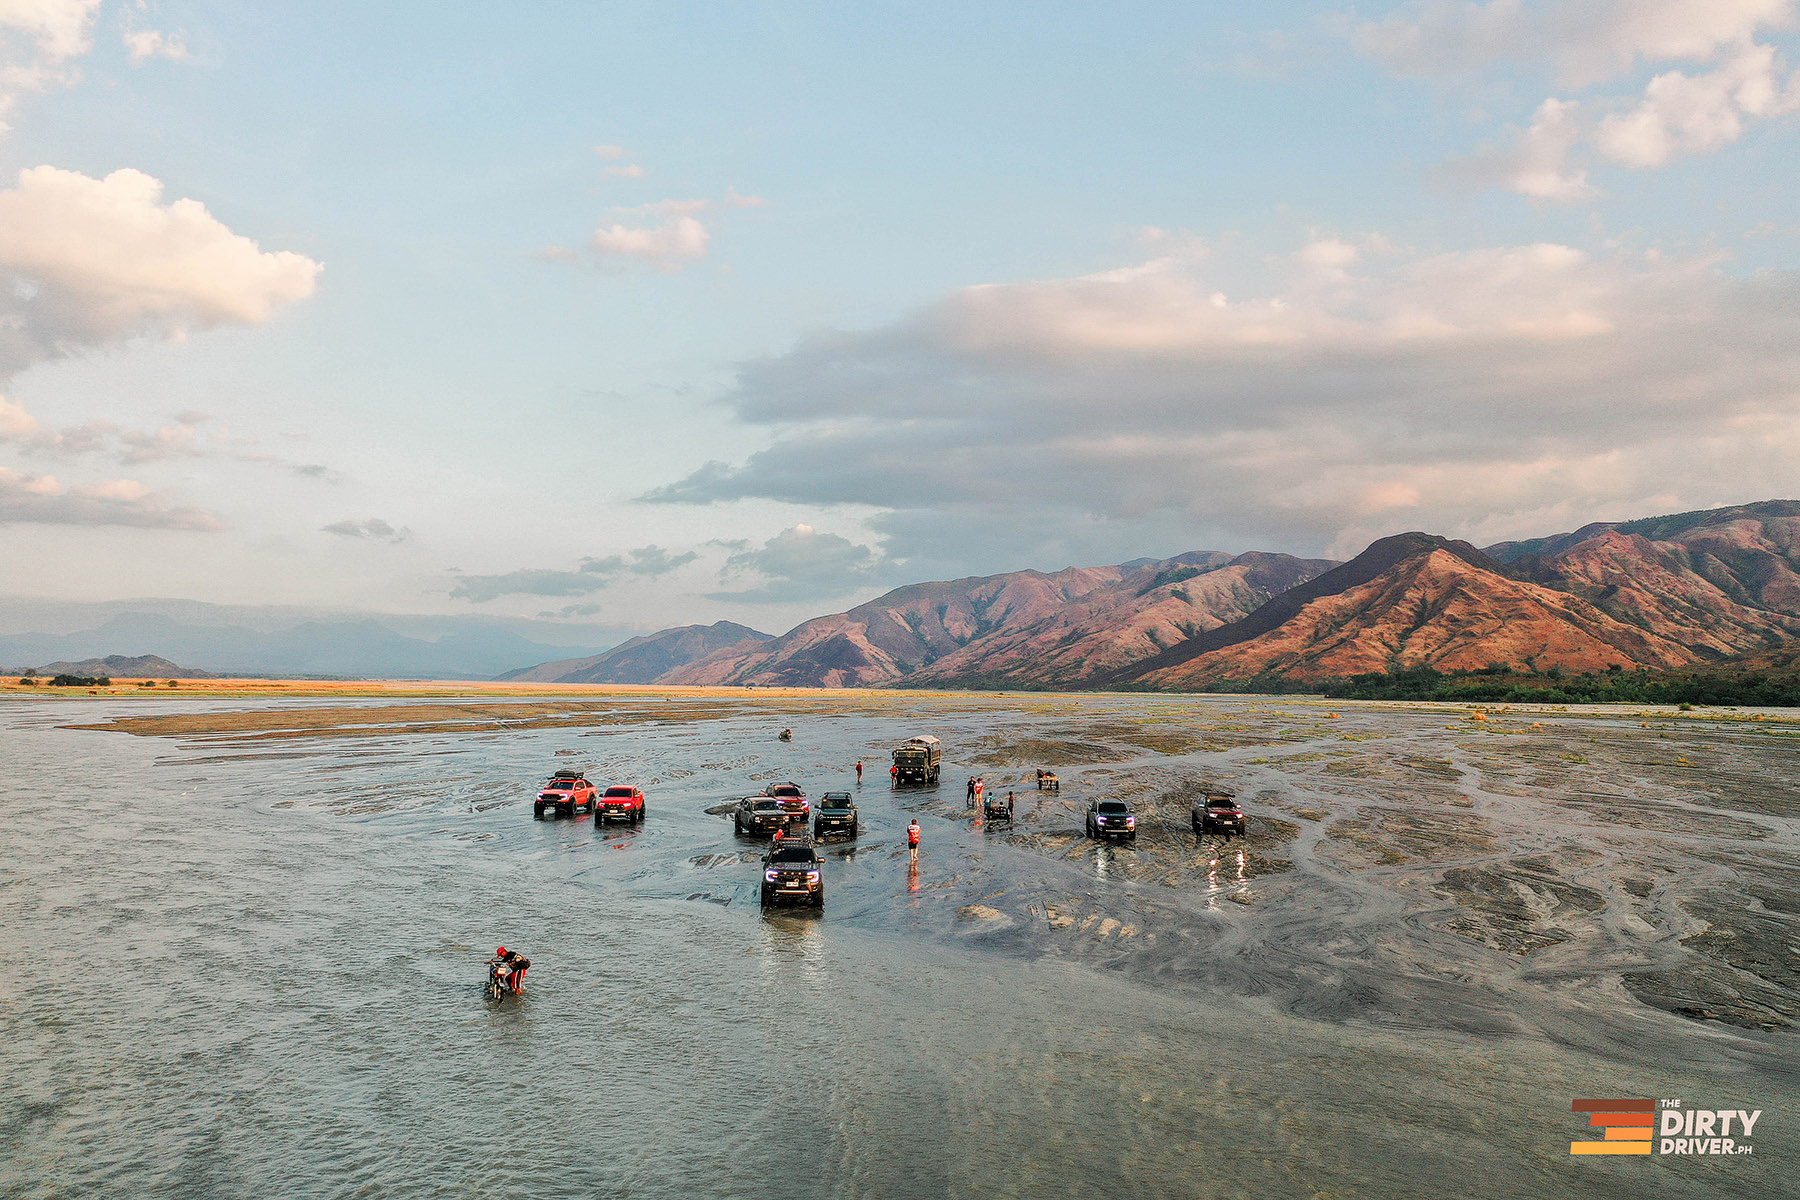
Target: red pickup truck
pixel 624 802
pixel 566 792
pixel 793 800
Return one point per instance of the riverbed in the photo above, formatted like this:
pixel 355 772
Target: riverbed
pixel 243 949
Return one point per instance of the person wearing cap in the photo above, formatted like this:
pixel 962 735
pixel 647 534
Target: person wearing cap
pixel 513 966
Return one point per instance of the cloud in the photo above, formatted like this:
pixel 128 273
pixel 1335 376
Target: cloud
pixel 591 575
pixel 42 500
pixel 130 447
pixel 1336 397
pixel 651 562
pixel 1585 41
pixel 1588 42
pixel 800 564
pixel 628 171
pixel 612 152
pixel 145 44
pixel 672 236
pixel 573 610
pixel 89 261
pixel 371 529
pixel 315 471
pixel 1692 114
pixel 482 588
pixel 38 40
pixel 664 244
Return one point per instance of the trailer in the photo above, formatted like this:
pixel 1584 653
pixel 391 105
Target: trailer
pixel 918 760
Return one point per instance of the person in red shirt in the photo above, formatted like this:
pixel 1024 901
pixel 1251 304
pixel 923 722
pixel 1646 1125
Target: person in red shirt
pixel 912 838
pixel 859 770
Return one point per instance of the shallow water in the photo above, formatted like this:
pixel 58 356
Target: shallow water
pixel 239 966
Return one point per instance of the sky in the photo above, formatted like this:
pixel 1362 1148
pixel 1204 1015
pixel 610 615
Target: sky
pixel 630 315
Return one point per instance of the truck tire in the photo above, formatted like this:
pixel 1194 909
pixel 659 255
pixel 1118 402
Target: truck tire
pixel 737 826
pixel 768 898
pixel 818 899
pixel 537 810
pixel 854 826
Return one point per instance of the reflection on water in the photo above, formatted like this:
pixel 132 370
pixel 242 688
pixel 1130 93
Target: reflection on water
pixel 266 980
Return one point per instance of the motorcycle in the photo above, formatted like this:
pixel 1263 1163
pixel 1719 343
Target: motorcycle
pixel 504 979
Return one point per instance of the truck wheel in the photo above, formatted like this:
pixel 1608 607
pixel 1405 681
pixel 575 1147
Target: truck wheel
pixel 737 826
pixel 818 900
pixel 767 898
pixel 854 826
pixel 537 810
pixel 643 811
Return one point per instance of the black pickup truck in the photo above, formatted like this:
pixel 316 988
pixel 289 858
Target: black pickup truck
pixel 793 871
pixel 837 815
pixel 1110 819
pixel 760 814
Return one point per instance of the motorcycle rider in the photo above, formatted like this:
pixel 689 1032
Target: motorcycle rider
pixel 512 969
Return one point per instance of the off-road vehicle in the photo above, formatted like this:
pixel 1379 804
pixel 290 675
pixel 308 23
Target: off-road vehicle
pixel 1218 812
pixel 837 815
pixel 759 814
pixel 566 792
pixel 792 798
pixel 622 803
pixel 1111 819
pixel 793 871
pixel 918 760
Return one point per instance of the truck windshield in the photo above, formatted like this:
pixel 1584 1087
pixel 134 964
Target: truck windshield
pixel 1112 806
pixel 794 854
pixel 625 792
pixel 765 805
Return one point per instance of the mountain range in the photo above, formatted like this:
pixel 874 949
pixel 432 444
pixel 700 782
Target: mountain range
pixel 1659 593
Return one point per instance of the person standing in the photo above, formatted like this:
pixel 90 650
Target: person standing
pixel 912 839
pixel 971 791
pixel 980 786
pixel 859 771
pixel 894 774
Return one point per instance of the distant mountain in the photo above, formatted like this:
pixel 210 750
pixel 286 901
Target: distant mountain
pixel 119 666
pixel 1021 629
pixel 244 641
pixel 1662 593
pixel 1412 601
pixel 646 659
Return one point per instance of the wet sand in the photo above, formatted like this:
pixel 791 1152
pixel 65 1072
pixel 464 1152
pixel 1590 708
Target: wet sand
pixel 1521 905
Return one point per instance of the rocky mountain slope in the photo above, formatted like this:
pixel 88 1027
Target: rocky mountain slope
pixel 1659 593
pixel 1021 629
pixel 1435 605
pixel 646 659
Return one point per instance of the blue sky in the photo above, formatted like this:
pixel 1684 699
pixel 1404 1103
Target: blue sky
pixel 641 314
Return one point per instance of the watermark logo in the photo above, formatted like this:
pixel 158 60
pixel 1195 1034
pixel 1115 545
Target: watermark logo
pixel 1627 1126
pixel 1665 1127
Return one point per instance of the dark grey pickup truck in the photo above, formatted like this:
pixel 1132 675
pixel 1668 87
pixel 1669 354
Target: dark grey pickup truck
pixel 793 871
pixel 760 814
pixel 837 815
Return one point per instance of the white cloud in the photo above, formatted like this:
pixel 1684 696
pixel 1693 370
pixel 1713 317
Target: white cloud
pixel 43 500
pixel 612 152
pixel 1588 42
pixel 91 261
pixel 665 244
pixel 628 171
pixel 591 575
pixel 1357 388
pixel 371 529
pixel 145 44
pixel 1536 162
pixel 674 235
pixel 1691 114
pixel 38 40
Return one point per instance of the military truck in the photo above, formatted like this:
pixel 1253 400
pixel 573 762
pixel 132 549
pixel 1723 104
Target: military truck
pixel 916 760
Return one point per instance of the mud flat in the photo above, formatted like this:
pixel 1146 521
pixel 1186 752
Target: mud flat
pixel 1438 916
